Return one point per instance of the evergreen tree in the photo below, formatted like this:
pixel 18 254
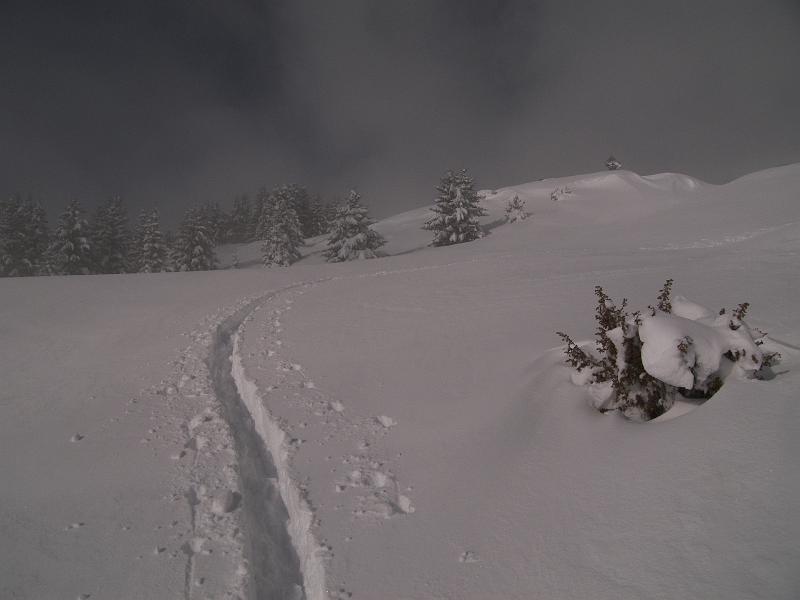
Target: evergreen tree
pixel 171 242
pixel 351 236
pixel 215 221
pixel 261 212
pixel 71 251
pixel 279 229
pixel 612 164
pixel 329 211
pixel 135 242
pixel 194 244
pixel 6 209
pixel 149 251
pixel 300 201
pixel 515 210
pixel 23 238
pixel 110 238
pixel 457 209
pixel 319 221
pixel 243 223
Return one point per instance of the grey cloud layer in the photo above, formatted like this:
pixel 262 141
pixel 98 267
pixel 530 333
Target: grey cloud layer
pixel 176 102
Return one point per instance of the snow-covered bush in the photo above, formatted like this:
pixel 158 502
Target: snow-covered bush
pixel 515 210
pixel 612 164
pixel 642 362
pixel 558 193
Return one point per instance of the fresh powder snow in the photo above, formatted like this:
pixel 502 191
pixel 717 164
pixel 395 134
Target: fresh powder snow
pixel 406 427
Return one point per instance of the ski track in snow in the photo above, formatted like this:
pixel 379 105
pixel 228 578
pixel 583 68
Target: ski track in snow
pixel 367 479
pixel 217 539
pixel 190 415
pixel 206 468
pixel 378 494
pixel 234 535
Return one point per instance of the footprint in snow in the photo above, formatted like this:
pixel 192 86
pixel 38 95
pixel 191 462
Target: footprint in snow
pixel 405 505
pixel 387 422
pixel 225 501
pixel 199 419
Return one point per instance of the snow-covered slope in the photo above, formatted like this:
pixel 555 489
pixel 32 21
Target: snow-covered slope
pixel 430 423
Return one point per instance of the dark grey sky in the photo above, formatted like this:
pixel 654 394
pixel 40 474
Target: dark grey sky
pixel 175 102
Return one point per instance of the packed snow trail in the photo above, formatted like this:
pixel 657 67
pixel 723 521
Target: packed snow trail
pixel 274 567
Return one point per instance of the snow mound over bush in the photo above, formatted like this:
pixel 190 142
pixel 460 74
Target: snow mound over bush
pixel 642 363
pixel 688 354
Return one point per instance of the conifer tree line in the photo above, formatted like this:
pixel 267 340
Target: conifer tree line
pixel 106 241
pixel 280 219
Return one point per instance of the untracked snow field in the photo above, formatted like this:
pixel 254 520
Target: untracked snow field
pixel 405 428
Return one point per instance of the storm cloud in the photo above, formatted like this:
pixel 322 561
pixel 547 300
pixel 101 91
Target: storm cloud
pixel 177 102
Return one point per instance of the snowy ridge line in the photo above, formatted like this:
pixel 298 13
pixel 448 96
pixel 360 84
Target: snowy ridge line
pixel 301 516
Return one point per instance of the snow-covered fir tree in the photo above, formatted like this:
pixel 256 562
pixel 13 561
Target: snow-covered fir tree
pixel 193 249
pixel 319 220
pixel 351 236
pixel 329 210
pixel 243 222
pixel 300 201
pixel 261 212
pixel 23 238
pixel 612 164
pixel 457 210
pixel 70 251
pixel 215 220
pixel 279 229
pixel 148 250
pixel 110 238
pixel 515 210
